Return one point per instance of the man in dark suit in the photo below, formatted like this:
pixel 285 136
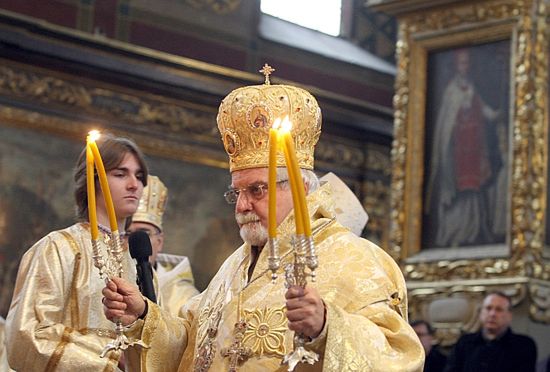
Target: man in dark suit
pixel 435 359
pixel 495 347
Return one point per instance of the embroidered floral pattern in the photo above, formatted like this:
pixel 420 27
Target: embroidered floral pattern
pixel 209 319
pixel 265 333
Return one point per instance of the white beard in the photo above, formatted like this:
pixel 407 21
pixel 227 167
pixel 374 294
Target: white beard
pixel 252 231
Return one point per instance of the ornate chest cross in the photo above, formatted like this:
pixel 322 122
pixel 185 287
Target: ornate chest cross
pixel 237 353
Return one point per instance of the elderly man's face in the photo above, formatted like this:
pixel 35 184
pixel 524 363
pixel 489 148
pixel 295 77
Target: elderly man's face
pixel 251 212
pixel 495 315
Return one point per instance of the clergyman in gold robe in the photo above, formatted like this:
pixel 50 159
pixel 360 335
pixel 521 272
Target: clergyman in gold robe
pixel 353 316
pixel 174 278
pixel 56 320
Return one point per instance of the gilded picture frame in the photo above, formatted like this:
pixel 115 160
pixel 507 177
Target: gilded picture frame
pixel 423 37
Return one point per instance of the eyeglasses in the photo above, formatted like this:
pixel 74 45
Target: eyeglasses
pixel 148 232
pixel 256 191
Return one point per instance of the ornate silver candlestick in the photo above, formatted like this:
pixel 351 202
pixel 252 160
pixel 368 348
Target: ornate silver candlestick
pixel 274 261
pixel 295 274
pixel 111 267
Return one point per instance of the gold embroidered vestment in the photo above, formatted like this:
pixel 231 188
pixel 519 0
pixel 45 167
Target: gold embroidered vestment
pixel 362 287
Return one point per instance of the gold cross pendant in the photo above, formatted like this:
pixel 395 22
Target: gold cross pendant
pixel 237 353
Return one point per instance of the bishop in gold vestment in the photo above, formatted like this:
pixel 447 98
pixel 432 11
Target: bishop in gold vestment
pixel 242 320
pixel 175 282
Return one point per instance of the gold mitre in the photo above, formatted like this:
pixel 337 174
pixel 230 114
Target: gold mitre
pixel 246 115
pixel 152 203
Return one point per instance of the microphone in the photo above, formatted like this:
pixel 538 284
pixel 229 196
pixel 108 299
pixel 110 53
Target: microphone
pixel 140 250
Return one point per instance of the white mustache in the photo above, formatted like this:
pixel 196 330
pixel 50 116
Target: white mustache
pixel 244 218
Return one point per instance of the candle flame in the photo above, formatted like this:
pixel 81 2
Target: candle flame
pixel 277 123
pixel 286 125
pixel 93 135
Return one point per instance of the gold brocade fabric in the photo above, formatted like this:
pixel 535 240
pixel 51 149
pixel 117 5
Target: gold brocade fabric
pixel 246 115
pixel 56 320
pixel 4 366
pixel 364 291
pixel 176 286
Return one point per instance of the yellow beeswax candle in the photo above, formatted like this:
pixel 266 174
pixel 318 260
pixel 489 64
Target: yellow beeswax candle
pixel 272 181
pixel 92 213
pixel 301 194
pixel 104 187
pixel 299 221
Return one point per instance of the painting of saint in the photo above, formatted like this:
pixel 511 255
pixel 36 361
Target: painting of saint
pixel 466 162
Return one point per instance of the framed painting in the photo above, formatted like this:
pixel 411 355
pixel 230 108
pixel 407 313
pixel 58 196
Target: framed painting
pixel 470 142
pixel 469 158
pixel 467 135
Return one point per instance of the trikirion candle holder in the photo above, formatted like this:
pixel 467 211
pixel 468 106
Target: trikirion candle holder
pixel 296 275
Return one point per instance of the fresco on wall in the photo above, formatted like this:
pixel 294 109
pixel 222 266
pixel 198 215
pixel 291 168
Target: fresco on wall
pixel 36 197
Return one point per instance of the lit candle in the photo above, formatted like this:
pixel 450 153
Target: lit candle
pixel 272 180
pixel 293 175
pixel 292 164
pixel 104 187
pixel 92 213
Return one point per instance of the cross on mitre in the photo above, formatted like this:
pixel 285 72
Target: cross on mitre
pixel 267 70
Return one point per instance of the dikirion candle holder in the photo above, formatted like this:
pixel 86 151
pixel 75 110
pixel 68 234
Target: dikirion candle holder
pixel 296 275
pixel 110 266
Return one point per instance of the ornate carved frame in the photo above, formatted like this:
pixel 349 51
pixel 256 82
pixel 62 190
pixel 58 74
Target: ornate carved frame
pixel 521 270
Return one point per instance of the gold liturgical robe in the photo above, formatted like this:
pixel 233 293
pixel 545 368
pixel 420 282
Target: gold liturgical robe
pixel 56 319
pixel 175 282
pixel 365 295
pixel 4 366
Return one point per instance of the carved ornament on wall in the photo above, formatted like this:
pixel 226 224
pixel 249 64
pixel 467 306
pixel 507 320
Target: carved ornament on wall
pixel 49 90
pixel 218 6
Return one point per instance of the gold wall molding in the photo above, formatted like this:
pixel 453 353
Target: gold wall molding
pixel 464 269
pixel 539 309
pixel 160 121
pixel 400 141
pixel 540 141
pixel 44 88
pixel 376 197
pixel 218 6
pixel 379 160
pixel 331 151
pixel 76 128
pixel 464 15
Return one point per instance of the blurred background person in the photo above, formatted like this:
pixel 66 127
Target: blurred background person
pixel 175 278
pixel 435 359
pixel 495 347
